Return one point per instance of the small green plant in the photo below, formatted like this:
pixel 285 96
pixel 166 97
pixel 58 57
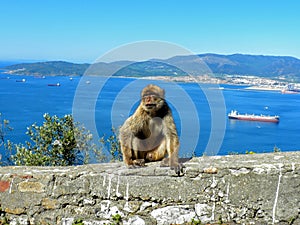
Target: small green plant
pixel 220 220
pixel 4 221
pixel 78 222
pixel 3 218
pixel 250 152
pixel 276 149
pixel 291 220
pixel 117 219
pixel 196 222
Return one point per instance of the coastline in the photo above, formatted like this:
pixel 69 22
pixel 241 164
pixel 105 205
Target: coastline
pixel 252 84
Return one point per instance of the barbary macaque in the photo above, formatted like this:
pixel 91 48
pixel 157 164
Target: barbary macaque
pixel 150 133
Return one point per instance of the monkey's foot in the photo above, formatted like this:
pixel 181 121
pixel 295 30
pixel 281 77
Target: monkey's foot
pixel 165 162
pixel 137 163
pixel 178 168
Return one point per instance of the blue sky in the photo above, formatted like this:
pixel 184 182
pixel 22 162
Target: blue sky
pixel 81 31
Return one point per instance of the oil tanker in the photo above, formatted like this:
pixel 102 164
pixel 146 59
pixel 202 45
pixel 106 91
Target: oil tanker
pixel 252 117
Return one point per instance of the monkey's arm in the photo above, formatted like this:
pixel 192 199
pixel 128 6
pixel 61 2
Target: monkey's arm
pixel 172 144
pixel 126 142
pixel 139 124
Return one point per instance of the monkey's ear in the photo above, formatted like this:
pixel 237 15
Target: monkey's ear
pixel 163 93
pixel 159 92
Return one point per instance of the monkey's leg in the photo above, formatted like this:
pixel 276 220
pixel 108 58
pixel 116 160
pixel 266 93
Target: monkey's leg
pixel 166 161
pixel 129 157
pixel 158 153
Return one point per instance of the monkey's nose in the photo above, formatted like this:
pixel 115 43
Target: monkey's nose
pixel 148 99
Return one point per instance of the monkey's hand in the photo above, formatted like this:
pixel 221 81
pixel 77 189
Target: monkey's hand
pixel 176 166
pixel 137 163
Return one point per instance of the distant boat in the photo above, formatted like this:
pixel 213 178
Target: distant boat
pixel 23 80
pixel 40 77
pixel 55 85
pixel 251 117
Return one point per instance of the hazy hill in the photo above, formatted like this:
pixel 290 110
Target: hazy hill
pixel 50 68
pixel 257 65
pixel 118 68
pixel 266 66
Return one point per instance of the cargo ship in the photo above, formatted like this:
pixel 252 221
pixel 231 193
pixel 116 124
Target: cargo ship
pixel 252 117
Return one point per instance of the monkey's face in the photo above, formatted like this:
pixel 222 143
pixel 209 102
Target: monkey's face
pixel 152 103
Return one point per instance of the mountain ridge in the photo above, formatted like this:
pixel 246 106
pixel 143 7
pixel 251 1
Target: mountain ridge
pixel 284 67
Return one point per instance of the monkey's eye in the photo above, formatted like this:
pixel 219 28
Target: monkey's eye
pixel 152 97
pixel 146 96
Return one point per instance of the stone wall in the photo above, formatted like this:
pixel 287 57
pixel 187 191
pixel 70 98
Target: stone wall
pixel 242 189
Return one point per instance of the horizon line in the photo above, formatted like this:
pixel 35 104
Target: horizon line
pixel 18 61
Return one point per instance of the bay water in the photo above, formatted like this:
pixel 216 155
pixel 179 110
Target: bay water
pixel 200 110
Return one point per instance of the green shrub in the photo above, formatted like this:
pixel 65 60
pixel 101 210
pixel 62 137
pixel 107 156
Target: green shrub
pixel 112 143
pixel 57 142
pixel 4 126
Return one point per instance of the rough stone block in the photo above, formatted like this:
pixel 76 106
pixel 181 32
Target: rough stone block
pixel 29 186
pixel 4 185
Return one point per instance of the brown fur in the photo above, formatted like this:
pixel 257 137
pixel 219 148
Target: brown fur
pixel 150 133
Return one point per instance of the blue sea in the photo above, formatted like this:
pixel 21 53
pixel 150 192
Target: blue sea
pixel 200 111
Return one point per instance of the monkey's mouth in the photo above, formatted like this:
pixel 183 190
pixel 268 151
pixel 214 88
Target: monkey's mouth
pixel 150 105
